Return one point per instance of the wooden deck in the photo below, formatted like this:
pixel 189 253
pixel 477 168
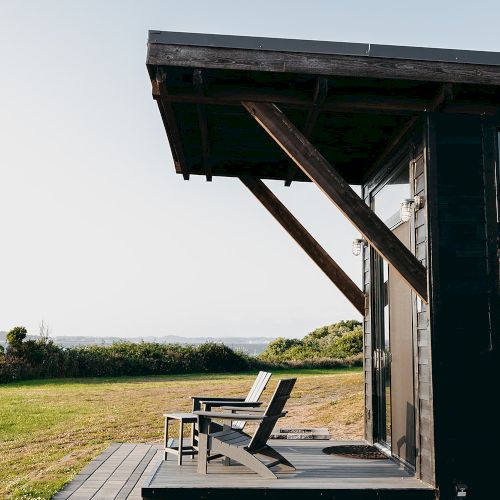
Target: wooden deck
pixel 125 471
pixel 117 473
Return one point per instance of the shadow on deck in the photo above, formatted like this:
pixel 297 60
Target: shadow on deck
pixel 134 471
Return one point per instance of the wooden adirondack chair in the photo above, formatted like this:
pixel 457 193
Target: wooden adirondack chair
pixel 235 444
pixel 250 401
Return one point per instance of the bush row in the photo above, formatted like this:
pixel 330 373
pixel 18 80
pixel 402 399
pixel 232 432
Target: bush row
pixel 39 359
pixel 335 346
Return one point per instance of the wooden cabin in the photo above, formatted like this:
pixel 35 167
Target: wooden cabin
pixel 418 130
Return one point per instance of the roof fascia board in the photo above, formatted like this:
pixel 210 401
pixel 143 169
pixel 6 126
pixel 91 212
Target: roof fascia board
pixel 429 54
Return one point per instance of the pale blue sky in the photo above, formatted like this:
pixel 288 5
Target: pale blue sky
pixel 100 237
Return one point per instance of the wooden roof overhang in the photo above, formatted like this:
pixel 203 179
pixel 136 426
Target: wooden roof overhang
pixel 335 109
pixel 349 99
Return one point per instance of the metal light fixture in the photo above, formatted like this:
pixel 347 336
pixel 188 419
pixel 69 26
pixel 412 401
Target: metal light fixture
pixel 357 245
pixel 408 206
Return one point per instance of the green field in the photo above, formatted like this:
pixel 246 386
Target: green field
pixel 50 429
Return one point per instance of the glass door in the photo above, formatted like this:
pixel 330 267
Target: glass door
pixel 386 201
pixel 382 355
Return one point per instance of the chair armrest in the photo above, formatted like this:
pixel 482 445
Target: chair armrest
pixel 233 416
pixel 209 398
pixel 198 401
pixel 237 408
pixel 239 404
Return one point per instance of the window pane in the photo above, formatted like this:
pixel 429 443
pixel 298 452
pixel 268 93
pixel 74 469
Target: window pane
pixel 388 200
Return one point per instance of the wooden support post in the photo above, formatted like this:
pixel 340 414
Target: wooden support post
pixel 297 231
pixel 203 124
pixel 317 168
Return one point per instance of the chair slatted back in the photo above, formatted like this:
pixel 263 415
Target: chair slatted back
pixel 254 394
pixel 258 387
pixel 274 408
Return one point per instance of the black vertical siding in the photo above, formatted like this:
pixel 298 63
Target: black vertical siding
pixel 421 332
pixel 464 381
pixel 368 343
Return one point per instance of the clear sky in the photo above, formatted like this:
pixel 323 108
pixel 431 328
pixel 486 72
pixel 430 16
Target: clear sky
pixel 100 237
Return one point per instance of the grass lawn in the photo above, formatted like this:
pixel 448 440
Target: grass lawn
pixel 50 429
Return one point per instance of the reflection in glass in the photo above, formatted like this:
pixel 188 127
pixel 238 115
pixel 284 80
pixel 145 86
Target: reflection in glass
pixel 386 352
pixel 388 200
pixel 386 204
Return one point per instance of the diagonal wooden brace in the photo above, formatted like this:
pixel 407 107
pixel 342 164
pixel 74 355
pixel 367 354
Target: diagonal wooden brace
pixel 298 232
pixel 317 168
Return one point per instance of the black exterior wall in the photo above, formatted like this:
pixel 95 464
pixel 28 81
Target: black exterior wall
pixel 457 334
pixel 464 301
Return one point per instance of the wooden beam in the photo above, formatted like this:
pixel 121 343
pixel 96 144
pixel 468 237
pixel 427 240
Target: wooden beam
pixel 170 124
pixel 203 123
pixel 321 64
pixel 297 231
pixel 341 103
pixel 317 168
pixel 320 93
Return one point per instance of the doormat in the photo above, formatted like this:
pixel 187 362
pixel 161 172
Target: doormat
pixel 301 433
pixel 362 451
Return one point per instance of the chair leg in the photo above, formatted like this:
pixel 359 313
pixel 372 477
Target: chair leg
pixel 272 453
pixel 181 432
pixel 253 463
pixel 202 454
pixel 202 446
pixel 192 440
pixel 245 458
pixel 166 437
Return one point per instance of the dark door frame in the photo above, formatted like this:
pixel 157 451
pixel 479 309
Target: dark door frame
pixel 378 293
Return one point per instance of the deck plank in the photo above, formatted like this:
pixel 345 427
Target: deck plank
pixel 114 474
pixel 132 481
pixel 133 471
pixel 318 473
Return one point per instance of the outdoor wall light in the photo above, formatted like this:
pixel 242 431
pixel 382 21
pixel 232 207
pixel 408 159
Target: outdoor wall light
pixel 408 206
pixel 357 245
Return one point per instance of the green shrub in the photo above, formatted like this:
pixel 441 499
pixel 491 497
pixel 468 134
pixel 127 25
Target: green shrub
pixel 310 363
pixel 351 343
pixel 340 340
pixel 216 357
pixel 16 336
pixel 280 346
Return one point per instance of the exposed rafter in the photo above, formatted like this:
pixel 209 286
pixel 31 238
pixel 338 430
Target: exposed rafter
pixel 170 123
pixel 320 93
pixel 203 124
pixel 342 102
pixel 337 103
